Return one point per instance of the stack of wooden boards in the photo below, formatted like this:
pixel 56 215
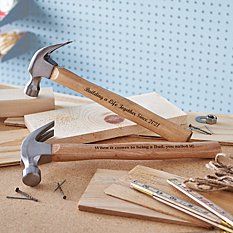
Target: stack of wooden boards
pixel 14 105
pixel 78 120
pixel 109 192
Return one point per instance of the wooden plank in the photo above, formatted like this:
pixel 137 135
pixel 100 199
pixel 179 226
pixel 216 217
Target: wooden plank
pixel 15 121
pixel 14 103
pixel 121 189
pixel 95 200
pixel 61 100
pixel 9 155
pixel 158 179
pixel 92 122
pixel 222 131
pixel 12 135
pixel 10 142
pixel 10 146
pixel 65 100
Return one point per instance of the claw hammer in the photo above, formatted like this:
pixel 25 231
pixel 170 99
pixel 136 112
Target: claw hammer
pixel 42 65
pixel 35 151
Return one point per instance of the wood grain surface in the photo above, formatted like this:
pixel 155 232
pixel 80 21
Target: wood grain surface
pixel 135 151
pixel 15 121
pixel 12 135
pixel 95 200
pixel 61 101
pixel 121 189
pixel 222 131
pixel 9 155
pixel 14 103
pixel 92 122
pixel 158 179
pixel 10 141
pixel 121 106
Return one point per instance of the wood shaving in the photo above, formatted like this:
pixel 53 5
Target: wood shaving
pixel 7 41
pixel 221 179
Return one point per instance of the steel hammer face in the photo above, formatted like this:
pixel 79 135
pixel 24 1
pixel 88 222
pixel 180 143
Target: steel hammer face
pixel 41 65
pixel 35 151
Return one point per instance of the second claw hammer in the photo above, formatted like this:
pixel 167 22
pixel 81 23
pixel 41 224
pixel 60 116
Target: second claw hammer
pixel 42 65
pixel 35 151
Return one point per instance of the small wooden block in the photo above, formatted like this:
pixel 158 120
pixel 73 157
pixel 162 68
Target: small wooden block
pixel 93 122
pixel 61 101
pixel 95 200
pixel 14 103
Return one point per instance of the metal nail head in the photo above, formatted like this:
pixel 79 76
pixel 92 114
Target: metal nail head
pixel 25 194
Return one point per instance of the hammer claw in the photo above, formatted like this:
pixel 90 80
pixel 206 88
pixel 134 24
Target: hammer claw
pixel 46 136
pixel 41 65
pixel 57 46
pixel 43 131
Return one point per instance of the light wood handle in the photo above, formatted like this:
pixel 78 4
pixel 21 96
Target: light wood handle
pixel 135 151
pixel 122 106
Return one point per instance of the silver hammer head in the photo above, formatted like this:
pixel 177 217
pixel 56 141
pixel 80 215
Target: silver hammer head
pixel 35 151
pixel 41 65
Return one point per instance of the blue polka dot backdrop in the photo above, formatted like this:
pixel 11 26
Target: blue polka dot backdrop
pixel 180 49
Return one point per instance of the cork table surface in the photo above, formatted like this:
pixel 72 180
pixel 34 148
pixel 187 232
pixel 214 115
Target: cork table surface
pixel 53 214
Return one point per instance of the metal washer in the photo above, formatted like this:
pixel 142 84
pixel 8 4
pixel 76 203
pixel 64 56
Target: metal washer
pixel 209 119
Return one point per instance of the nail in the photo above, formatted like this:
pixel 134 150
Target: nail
pixel 201 130
pixel 211 131
pixel 59 185
pixel 20 198
pixel 25 194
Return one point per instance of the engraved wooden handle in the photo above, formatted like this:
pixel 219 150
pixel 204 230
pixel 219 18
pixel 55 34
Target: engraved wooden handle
pixel 135 151
pixel 122 106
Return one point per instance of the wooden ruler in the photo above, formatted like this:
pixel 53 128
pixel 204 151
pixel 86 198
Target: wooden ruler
pixel 181 205
pixel 218 211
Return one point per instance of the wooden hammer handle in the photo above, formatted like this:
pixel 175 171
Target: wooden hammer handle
pixel 122 106
pixel 135 151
